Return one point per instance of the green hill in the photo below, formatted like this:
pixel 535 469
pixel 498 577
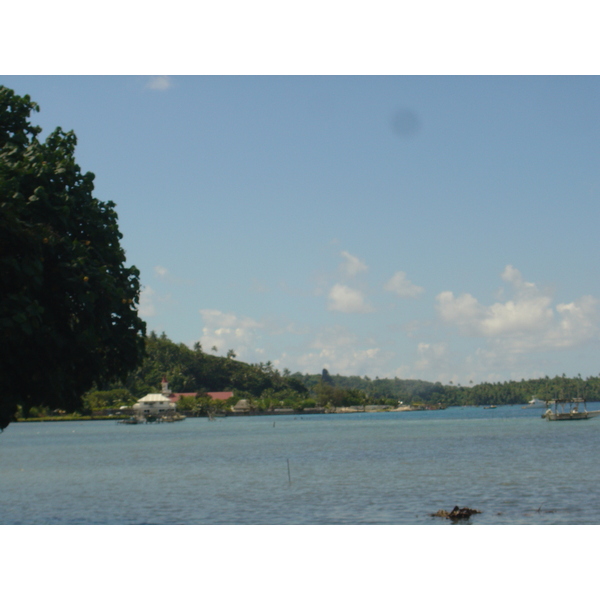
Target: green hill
pixel 194 371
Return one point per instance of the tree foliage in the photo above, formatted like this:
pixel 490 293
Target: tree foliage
pixel 68 316
pixel 96 400
pixel 417 392
pixel 193 370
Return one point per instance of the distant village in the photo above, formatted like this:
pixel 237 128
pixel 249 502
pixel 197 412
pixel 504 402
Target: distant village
pixel 163 406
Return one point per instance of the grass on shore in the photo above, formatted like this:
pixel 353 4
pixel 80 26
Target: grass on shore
pixel 73 417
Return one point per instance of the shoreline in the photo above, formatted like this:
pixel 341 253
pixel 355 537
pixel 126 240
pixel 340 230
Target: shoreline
pixel 66 419
pixel 274 413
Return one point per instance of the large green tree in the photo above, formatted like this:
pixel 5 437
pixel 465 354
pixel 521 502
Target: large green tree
pixel 68 314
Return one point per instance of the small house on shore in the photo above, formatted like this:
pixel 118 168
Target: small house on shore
pixel 242 407
pixel 156 404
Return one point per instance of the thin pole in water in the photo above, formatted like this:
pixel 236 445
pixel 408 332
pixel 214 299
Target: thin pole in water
pixel 289 475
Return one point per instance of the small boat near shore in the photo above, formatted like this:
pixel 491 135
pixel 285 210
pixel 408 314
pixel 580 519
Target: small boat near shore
pixel 131 421
pixel 561 412
pixel 535 402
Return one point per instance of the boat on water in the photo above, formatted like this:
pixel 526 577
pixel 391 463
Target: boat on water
pixel 490 406
pixel 131 421
pixel 535 402
pixel 561 412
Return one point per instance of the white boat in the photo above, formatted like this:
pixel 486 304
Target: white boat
pixel 562 412
pixel 535 402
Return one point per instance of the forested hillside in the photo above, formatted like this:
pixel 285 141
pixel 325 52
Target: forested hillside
pixel 194 370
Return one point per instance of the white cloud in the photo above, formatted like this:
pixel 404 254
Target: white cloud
pixel 160 271
pixel 525 314
pixel 352 265
pixel 512 275
pixel 431 356
pixel 464 312
pixel 228 331
pixel 146 307
pixel 347 300
pixel 400 285
pixel 577 323
pixel 339 351
pixel 517 317
pixel 160 83
pixel 526 322
pixel 498 364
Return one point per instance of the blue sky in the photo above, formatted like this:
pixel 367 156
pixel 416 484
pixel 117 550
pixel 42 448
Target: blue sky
pixel 438 227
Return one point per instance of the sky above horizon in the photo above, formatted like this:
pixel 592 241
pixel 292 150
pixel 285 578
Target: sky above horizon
pixel 438 227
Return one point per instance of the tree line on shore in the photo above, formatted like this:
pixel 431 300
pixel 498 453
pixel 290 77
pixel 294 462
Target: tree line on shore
pixel 266 388
pixel 192 370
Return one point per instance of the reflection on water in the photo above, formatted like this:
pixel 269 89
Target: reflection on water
pixel 387 468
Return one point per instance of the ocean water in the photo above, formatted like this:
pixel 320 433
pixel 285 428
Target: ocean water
pixel 373 468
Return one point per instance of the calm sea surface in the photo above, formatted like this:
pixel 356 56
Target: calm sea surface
pixel 378 468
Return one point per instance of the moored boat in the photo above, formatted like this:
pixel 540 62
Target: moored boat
pixel 561 412
pixel 131 421
pixel 535 402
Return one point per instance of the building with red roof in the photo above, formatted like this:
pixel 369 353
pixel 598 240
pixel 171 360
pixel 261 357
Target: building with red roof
pixel 167 400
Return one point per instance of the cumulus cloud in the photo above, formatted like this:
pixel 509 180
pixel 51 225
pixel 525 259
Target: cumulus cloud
pixel 339 351
pixel 512 275
pixel 529 321
pixel 352 265
pixel 401 286
pixel 159 83
pixel 228 331
pixel 347 300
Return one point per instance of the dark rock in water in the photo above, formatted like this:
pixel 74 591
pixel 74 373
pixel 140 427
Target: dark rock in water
pixel 456 513
pixel 463 513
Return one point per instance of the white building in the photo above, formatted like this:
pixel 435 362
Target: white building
pixel 156 404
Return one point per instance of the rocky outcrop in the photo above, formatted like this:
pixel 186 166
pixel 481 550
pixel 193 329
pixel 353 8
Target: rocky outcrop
pixel 456 514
